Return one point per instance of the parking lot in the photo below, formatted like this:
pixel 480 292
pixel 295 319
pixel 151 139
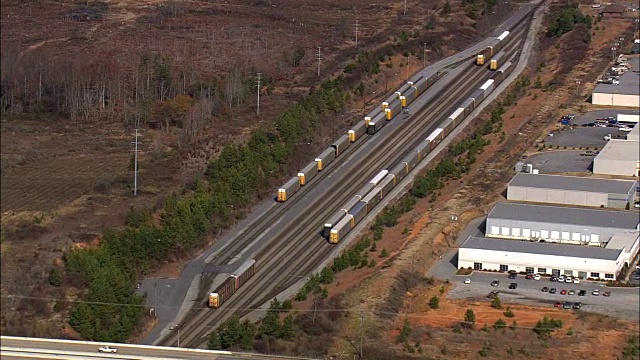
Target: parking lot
pixel 560 161
pixel 623 303
pixel 592 137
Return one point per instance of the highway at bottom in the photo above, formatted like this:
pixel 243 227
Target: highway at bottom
pixel 290 246
pixel 33 348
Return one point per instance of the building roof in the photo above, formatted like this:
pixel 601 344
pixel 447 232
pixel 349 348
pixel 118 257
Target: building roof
pixel 540 248
pixel 627 220
pixel 629 81
pixel 614 8
pixel 573 183
pixel 634 134
pixel 616 149
pixel 623 240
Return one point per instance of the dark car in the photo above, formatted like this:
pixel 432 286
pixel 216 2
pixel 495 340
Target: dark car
pixel 545 289
pixel 552 291
pixel 529 276
pixel 567 305
pixel 606 293
pixel 553 278
pixel 582 293
pixel 493 294
pixel 513 286
pixel 513 275
pixel 577 305
pixel 495 283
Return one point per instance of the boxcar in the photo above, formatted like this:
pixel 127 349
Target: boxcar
pixel 222 293
pixel 357 131
pixel 387 185
pixel 400 171
pixel 341 144
pixel 244 273
pixel 435 137
pixel 326 158
pixel 341 229
pixel 333 220
pixel 373 198
pixel 307 173
pixel 468 106
pixel 288 189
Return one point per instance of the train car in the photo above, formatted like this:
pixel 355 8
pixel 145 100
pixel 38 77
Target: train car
pixel 373 198
pixel 379 176
pixel 411 94
pixel 353 201
pixel 404 87
pixel 341 229
pixel 468 106
pixel 326 158
pixel 364 190
pixel 432 79
pixel 376 124
pixel 477 96
pixel 403 101
pixel 358 211
pixel 244 273
pixel 447 125
pixel 367 120
pixel 288 189
pixel 487 88
pixel 412 159
pixel 387 185
pixel 417 77
pixel 488 52
pixel 421 86
pixel 394 110
pixel 384 106
pixel 222 293
pixel 457 116
pixel 423 150
pixel 435 138
pixel 495 62
pixel 501 73
pixel 400 171
pixel 307 173
pixel 357 131
pixel 333 220
pixel 341 144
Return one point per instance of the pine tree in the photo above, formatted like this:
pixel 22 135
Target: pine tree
pixel 470 317
pixel 287 331
pixel 214 341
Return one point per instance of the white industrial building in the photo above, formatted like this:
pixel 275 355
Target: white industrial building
pixel 625 93
pixel 558 224
pixel 628 242
pixel 572 190
pixel 634 134
pixel 618 157
pixel 481 253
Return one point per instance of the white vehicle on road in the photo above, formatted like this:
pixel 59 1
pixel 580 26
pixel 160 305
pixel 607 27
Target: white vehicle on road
pixel 467 281
pixel 576 281
pixel 625 128
pixel 537 277
pixel 107 349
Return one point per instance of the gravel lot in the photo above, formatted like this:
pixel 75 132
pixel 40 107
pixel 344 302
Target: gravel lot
pixel 560 161
pixel 624 302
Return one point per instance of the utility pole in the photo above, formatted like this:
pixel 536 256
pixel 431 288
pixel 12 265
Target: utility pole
pixel 258 110
pixel 405 8
pixel 361 337
pixel 424 56
pixel 135 165
pixel 319 59
pixel 356 32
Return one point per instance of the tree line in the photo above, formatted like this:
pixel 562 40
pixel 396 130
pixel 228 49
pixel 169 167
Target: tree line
pixel 232 181
pixel 565 19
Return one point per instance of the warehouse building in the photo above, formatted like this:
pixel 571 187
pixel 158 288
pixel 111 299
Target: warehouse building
pixel 628 242
pixel 625 93
pixel 618 157
pixel 558 224
pixel 571 190
pixel 481 253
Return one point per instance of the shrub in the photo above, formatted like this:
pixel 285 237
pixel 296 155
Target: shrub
pixel 508 313
pixel 500 324
pixel 434 302
pixel 55 277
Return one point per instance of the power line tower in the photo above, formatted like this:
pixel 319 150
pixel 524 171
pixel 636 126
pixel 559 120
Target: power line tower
pixel 319 60
pixel 135 163
pixel 258 110
pixel 356 32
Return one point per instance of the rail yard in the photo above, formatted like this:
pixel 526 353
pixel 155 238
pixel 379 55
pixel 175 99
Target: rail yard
pixel 320 199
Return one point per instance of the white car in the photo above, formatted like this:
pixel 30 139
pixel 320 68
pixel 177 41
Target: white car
pixel 625 129
pixel 107 349
pixel 568 280
pixel 537 277
pixel 467 281
pixel 560 278
pixel 576 281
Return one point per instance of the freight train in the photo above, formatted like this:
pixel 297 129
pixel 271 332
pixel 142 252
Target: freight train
pixel 351 213
pixel 232 284
pixel 492 49
pixel 372 123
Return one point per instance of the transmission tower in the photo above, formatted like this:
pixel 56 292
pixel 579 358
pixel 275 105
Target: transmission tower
pixel 258 111
pixel 319 60
pixel 135 164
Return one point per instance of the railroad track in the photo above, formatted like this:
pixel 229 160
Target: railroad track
pixel 284 254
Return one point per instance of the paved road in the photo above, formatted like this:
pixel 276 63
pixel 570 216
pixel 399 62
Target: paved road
pixel 12 346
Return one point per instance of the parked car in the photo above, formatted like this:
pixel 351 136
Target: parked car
pixel 558 304
pixel 529 277
pixel 582 293
pixel 513 286
pixel 576 281
pixel 545 289
pixel 563 292
pixel 577 305
pixel 625 129
pixel 571 292
pixel 467 281
pixel 560 278
pixel 552 291
pixel 606 293
pixel 493 294
pixel 553 279
pixel 107 349
pixel 495 283
pixel 567 305
pixel 568 279
pixel 595 292
pixel 513 275
pixel 537 277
